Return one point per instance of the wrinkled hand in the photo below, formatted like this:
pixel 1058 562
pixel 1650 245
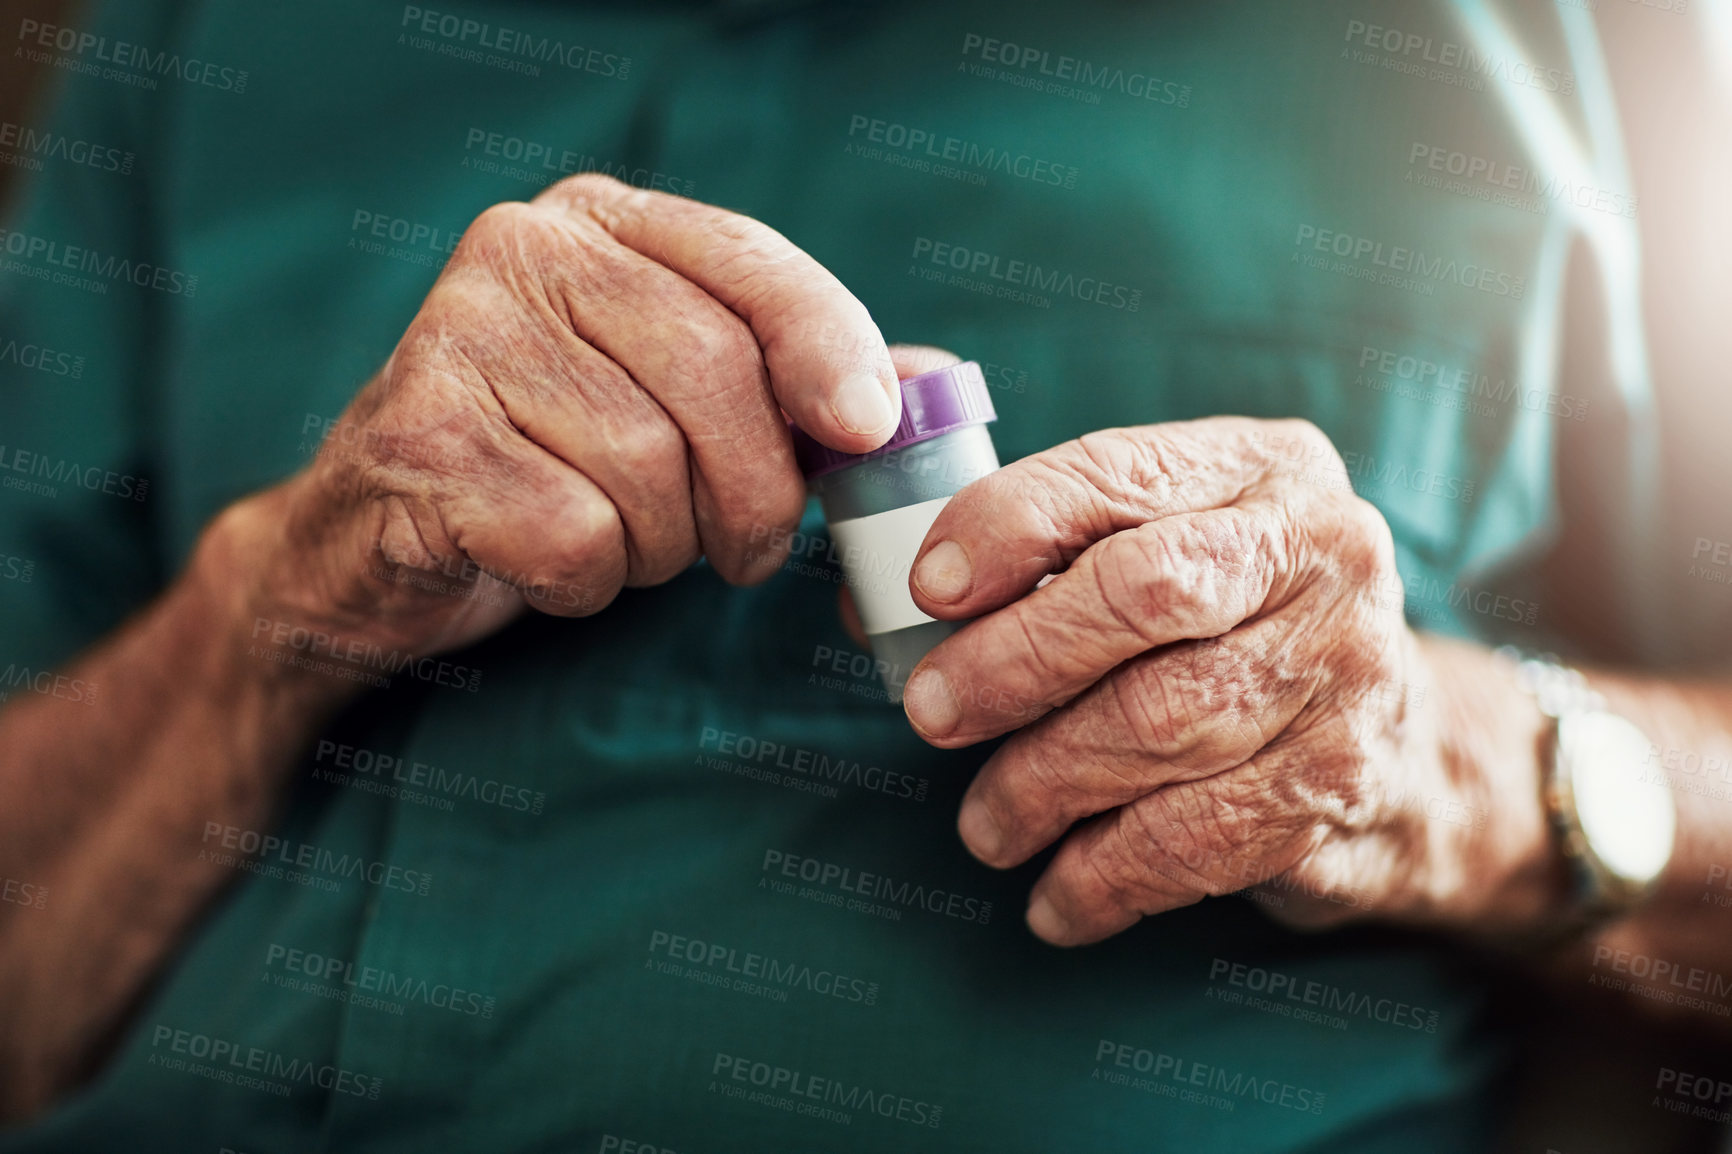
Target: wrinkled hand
pixel 1218 684
pixel 592 394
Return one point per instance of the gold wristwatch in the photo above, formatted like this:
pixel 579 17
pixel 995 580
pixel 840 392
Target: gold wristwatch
pixel 1608 802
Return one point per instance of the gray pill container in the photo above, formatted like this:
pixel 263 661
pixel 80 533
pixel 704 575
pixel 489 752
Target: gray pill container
pixel 879 505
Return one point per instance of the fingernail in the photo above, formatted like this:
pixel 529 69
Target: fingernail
pixel 979 832
pixel 862 406
pixel 944 574
pixel 1046 922
pixel 930 704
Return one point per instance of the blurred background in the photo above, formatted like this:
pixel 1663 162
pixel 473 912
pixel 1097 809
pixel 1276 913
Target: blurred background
pixel 1671 67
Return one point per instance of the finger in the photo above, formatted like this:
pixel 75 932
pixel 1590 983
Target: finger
pixel 565 550
pixel 691 357
pixel 827 361
pixel 1185 713
pixel 1168 849
pixel 626 443
pixel 475 492
pixel 1184 576
pixel 581 406
pixel 1002 534
pixel 912 360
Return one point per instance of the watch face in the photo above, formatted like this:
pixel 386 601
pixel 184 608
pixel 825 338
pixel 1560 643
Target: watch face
pixel 1626 815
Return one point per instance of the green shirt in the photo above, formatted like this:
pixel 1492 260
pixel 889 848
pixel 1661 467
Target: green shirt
pixel 674 874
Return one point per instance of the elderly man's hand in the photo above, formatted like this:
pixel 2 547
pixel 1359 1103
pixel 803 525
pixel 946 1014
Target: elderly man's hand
pixel 592 394
pixel 1219 685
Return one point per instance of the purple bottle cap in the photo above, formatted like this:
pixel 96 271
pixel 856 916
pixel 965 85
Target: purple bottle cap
pixel 932 404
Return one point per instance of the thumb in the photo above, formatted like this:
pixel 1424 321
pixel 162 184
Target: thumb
pixel 912 360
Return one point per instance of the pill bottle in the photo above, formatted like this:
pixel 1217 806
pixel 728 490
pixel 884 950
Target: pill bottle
pixel 879 505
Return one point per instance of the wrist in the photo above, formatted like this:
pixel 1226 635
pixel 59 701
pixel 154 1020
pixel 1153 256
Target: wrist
pixel 1508 878
pixel 235 584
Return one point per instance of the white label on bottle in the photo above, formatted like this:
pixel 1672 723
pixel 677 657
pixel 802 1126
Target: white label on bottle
pixel 877 553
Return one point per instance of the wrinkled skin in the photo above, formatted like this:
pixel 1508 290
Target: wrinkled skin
pixel 594 393
pixel 1218 685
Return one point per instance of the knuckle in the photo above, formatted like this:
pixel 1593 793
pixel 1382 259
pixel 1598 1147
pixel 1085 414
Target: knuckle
pixel 1231 690
pixel 410 534
pixel 749 249
pixel 1355 540
pixel 586 187
pixel 1199 838
pixel 424 439
pixel 582 558
pixel 750 238
pixel 771 278
pixel 517 247
pixel 1100 455
pixel 650 448
pixel 1030 788
pixel 1297 449
pixel 440 347
pixel 1197 577
pixel 1115 868
pixel 1094 462
pixel 499 228
pixel 1314 439
pixel 594 197
pixel 1052 508
pixel 1125 461
pixel 1155 574
pixel 719 349
pixel 1153 708
pixel 1269 555
pixel 1370 531
pixel 587 525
